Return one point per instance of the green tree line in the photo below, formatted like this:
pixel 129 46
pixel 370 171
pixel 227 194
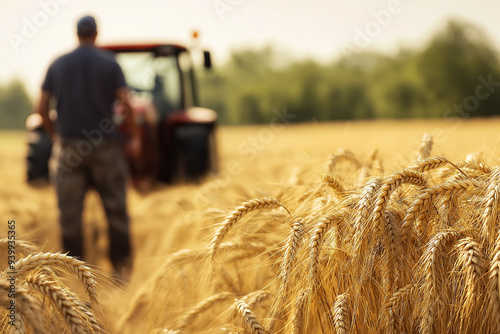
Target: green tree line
pixel 440 79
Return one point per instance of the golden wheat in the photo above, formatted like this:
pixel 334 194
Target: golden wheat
pixel 415 250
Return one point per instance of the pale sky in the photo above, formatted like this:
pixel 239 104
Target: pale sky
pixel 34 32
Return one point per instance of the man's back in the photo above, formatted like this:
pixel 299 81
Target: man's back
pixel 84 83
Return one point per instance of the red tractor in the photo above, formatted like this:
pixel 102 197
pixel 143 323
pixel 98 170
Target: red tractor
pixel 178 137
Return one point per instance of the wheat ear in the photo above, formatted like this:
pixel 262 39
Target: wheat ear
pixel 433 163
pixel 18 326
pixel 201 307
pixel 385 191
pixel 22 247
pixel 379 222
pixel 475 161
pixel 494 286
pixel 316 241
pixel 256 297
pixel 299 311
pixel 341 314
pixel 429 164
pixel 363 208
pixel 78 321
pixel 76 266
pixel 294 241
pixel 434 270
pixel 490 203
pixel 26 305
pixel 470 264
pixel 335 185
pixel 391 325
pixel 425 146
pixel 427 197
pixel 392 247
pixel 233 217
pixel 333 159
pixel 293 244
pixel 249 318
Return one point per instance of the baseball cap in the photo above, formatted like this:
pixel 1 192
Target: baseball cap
pixel 86 26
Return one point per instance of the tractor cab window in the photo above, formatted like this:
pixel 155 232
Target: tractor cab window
pixel 154 79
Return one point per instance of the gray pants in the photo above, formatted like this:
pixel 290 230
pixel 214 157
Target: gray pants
pixel 81 165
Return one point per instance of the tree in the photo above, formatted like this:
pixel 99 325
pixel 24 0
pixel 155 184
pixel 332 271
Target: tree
pixel 249 109
pixel 15 105
pixel 451 64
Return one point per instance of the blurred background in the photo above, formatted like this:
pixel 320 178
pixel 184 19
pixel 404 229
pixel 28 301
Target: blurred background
pixel 323 60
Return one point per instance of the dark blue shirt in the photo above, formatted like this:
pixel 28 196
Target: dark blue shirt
pixel 84 82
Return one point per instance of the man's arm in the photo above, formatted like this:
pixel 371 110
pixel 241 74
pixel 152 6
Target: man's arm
pixel 43 110
pixel 135 144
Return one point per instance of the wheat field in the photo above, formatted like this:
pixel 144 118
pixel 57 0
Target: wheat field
pixel 352 227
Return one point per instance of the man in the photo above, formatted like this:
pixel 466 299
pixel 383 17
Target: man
pixel 85 83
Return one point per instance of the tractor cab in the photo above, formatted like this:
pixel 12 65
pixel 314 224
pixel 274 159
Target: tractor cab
pixel 178 137
pixel 159 73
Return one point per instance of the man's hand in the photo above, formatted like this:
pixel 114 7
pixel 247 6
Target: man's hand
pixel 133 146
